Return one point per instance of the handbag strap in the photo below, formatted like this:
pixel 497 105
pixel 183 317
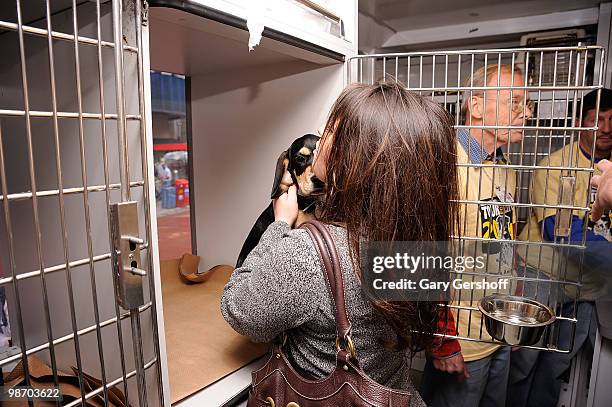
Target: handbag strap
pixel 331 264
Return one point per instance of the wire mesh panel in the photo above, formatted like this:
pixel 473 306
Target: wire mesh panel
pixel 72 143
pixel 524 165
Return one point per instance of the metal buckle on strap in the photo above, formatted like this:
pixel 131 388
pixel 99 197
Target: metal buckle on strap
pixel 350 348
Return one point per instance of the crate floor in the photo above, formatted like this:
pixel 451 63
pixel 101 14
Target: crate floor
pixel 201 347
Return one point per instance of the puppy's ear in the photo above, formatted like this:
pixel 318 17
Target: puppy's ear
pixel 279 187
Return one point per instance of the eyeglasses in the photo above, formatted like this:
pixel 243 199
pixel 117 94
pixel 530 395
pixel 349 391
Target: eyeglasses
pixel 518 106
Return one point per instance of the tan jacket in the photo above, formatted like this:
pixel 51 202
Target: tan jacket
pixel 487 220
pixel 545 190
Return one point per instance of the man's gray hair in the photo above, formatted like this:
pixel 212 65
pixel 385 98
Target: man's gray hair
pixel 477 79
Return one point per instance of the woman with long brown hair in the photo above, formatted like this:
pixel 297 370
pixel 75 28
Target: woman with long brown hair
pixel 387 156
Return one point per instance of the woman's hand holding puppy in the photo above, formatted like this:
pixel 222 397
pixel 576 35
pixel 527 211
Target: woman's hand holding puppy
pixel 286 206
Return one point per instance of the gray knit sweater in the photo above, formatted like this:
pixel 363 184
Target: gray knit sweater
pixel 281 287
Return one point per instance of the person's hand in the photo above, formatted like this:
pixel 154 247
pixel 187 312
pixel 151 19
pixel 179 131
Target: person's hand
pixel 603 182
pixel 454 364
pixel 286 206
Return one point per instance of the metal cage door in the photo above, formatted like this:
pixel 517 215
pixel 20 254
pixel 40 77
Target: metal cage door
pixel 555 81
pixel 79 268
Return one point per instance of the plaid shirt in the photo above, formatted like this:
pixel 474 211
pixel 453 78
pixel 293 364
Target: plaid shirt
pixel 475 151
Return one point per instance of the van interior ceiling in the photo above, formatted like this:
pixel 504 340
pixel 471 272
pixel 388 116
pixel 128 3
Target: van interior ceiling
pixel 233 154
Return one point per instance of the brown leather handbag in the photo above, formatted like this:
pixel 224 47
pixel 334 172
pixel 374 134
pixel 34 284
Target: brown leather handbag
pixel 278 384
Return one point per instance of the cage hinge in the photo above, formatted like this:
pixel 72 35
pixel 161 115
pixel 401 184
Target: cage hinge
pixel 145 13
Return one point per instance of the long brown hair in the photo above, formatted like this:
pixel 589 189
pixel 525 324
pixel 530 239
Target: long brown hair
pixel 391 176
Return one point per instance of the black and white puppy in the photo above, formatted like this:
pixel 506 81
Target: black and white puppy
pixel 294 166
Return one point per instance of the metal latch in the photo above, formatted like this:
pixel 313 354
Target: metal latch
pixel 563 220
pixel 127 271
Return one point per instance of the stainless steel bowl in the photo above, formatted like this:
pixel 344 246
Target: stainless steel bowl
pixel 515 320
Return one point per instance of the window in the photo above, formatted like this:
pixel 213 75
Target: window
pixel 170 150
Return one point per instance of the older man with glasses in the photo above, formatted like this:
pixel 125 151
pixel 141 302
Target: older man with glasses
pixel 477 374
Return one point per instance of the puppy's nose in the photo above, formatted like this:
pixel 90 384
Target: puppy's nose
pixel 317 183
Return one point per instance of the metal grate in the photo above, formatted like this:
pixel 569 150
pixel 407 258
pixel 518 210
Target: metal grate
pixel 556 67
pixel 73 142
pixel 555 123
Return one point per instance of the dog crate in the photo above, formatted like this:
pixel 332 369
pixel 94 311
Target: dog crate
pixel 555 123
